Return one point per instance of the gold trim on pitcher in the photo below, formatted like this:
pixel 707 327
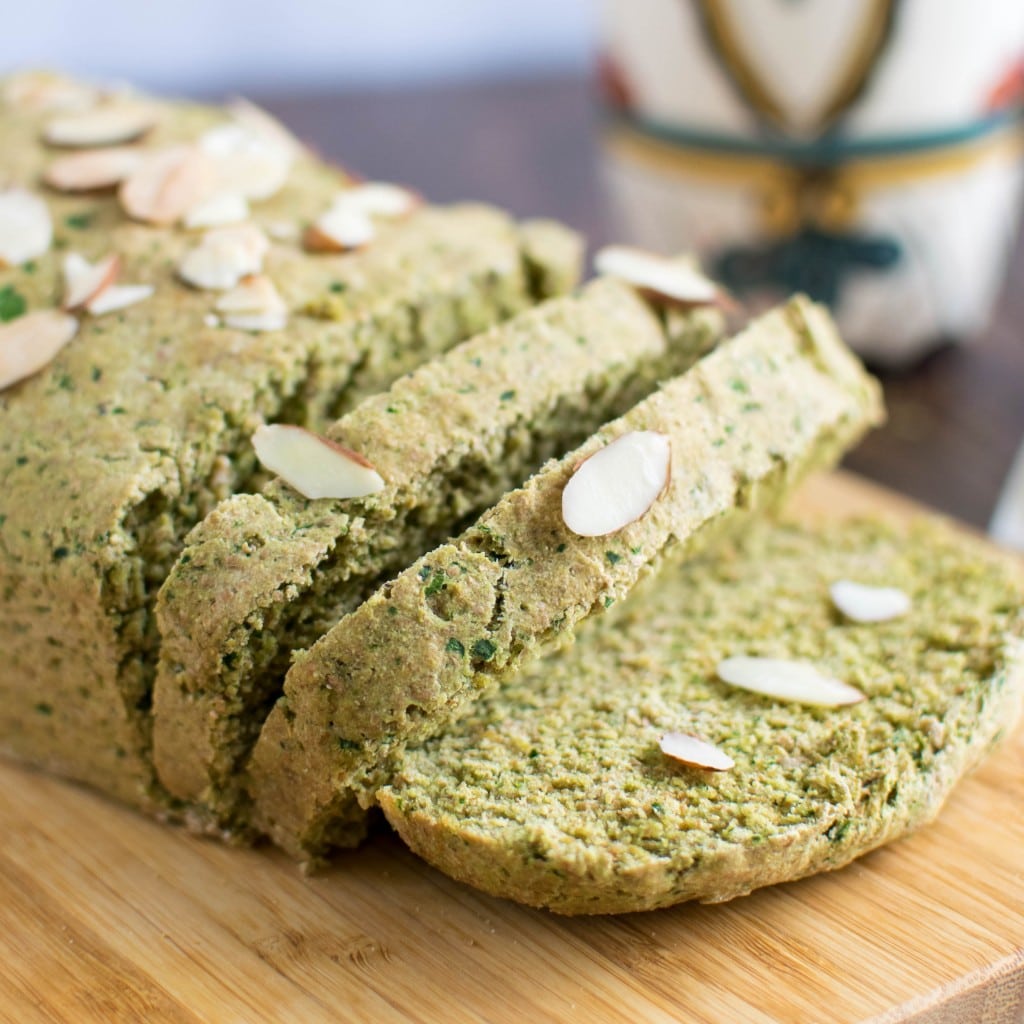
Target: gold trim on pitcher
pixel 791 195
pixel 863 53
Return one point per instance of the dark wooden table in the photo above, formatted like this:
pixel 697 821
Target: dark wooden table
pixel 532 147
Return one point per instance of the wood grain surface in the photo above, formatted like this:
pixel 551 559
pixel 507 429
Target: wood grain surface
pixel 107 916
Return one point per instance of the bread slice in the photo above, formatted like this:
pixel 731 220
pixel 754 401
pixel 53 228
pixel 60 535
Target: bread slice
pixel 269 573
pixel 746 421
pixel 142 423
pixel 554 792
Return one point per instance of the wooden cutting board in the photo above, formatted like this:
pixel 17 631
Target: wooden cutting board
pixel 107 916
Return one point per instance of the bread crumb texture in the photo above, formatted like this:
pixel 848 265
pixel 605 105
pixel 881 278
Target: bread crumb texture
pixel 141 423
pixel 554 791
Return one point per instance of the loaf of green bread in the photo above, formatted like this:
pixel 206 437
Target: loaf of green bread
pixel 141 422
pixel 742 425
pixel 266 574
pixel 608 686
pixel 556 792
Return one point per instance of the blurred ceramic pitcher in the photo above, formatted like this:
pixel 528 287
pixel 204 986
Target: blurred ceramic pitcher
pixel 866 152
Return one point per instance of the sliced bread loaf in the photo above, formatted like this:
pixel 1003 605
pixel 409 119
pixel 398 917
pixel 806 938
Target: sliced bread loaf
pixel 269 573
pixel 111 452
pixel 746 421
pixel 555 792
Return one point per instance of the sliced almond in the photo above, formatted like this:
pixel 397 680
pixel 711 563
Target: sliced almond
pixel 378 199
pixel 40 91
pixel 84 281
pixel 26 230
pixel 214 268
pixel 254 305
pixel 30 343
pixel 118 296
pixel 223 257
pixel 862 603
pixel 695 752
pixel 262 122
pixel 257 321
pixel 167 184
pixel 348 223
pixel 110 124
pixel 315 466
pixel 247 237
pixel 663 279
pixel 220 209
pixel 282 230
pixel 248 162
pixel 254 294
pixel 91 286
pixel 93 169
pixel 797 681
pixel 339 230
pixel 315 240
pixel 618 484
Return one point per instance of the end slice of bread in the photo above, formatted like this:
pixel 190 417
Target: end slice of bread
pixel 554 792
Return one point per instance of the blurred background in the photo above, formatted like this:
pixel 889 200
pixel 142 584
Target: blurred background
pixel 867 151
pixel 211 46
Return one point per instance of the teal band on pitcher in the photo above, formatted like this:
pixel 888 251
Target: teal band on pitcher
pixel 823 151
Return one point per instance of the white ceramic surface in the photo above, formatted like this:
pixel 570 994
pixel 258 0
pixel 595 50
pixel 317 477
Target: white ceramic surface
pixel 865 150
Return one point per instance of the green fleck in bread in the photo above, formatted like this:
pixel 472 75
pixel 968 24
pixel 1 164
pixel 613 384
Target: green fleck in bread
pixel 266 574
pixel 554 792
pixel 746 421
pixel 142 423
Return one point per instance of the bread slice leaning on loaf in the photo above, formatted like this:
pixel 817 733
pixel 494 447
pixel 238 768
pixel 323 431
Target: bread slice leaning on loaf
pixel 269 573
pixel 555 792
pixel 748 420
pixel 141 423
